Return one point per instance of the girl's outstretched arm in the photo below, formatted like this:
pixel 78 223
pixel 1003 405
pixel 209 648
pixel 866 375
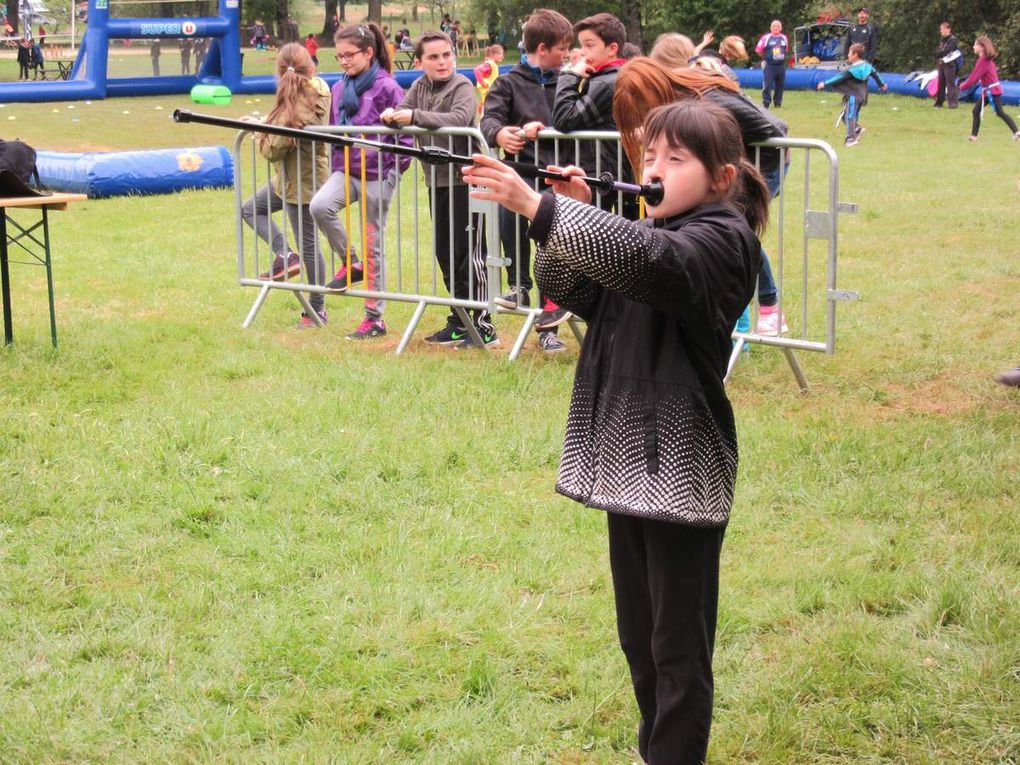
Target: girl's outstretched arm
pixel 494 181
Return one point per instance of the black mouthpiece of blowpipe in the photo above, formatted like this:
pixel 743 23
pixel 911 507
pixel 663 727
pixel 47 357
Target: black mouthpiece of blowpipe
pixel 431 155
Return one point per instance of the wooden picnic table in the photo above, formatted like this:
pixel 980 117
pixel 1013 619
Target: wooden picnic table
pixel 403 59
pixel 63 70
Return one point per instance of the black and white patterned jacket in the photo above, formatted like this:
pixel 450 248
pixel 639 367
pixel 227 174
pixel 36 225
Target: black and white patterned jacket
pixel 650 431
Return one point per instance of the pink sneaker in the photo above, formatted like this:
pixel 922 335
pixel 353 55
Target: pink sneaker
pixel 771 321
pixel 307 322
pixel 368 329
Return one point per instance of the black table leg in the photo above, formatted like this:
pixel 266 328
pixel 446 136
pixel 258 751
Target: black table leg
pixel 5 280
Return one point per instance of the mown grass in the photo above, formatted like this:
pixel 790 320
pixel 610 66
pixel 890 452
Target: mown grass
pixel 272 545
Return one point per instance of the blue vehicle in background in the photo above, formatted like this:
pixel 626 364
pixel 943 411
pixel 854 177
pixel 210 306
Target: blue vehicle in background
pixel 820 45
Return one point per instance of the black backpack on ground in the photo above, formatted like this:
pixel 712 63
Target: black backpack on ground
pixel 17 169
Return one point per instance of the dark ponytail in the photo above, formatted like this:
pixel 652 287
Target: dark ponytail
pixel 751 195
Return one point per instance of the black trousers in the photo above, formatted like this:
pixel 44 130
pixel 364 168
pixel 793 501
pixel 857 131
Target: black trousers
pixel 948 87
pixel 463 266
pixel 999 111
pixel 516 248
pixel 666 581
pixel 773 78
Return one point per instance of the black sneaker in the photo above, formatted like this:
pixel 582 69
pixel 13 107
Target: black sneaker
pixel 552 317
pixel 489 340
pixel 339 283
pixel 517 297
pixel 451 334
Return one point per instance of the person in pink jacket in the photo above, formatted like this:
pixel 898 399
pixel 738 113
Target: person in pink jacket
pixel 984 72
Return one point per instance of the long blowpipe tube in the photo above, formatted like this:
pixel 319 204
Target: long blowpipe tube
pixel 604 184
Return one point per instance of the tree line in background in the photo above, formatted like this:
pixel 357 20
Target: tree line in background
pixel 908 30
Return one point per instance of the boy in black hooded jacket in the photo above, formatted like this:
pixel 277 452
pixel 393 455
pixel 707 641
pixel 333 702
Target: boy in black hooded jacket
pixel 518 105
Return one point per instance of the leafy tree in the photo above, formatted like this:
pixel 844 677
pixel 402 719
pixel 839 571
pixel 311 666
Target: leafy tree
pixel 908 32
pixel 509 15
pixel 333 8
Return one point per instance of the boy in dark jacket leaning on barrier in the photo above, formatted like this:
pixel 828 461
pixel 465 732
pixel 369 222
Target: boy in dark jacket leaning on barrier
pixel 518 105
pixel 444 98
pixel 584 97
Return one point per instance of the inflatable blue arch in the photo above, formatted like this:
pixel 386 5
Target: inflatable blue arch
pixel 222 65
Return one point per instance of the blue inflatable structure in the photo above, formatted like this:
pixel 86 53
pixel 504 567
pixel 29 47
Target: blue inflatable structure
pixel 902 84
pixel 222 65
pixel 161 171
pixel 88 80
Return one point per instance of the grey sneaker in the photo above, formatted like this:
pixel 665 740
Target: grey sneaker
pixel 517 297
pixel 550 342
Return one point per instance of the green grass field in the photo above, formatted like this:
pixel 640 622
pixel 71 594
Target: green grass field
pixel 266 545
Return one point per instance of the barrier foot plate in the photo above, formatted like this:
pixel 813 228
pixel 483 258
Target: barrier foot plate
pixel 791 359
pixel 256 306
pixel 306 306
pixel 738 348
pixel 419 311
pixel 470 327
pixel 522 336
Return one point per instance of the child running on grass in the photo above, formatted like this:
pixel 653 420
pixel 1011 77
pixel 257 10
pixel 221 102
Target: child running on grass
pixel 650 433
pixel 297 170
pixel 853 84
pixel 985 72
pixel 365 90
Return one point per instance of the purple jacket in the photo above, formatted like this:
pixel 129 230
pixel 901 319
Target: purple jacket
pixel 384 93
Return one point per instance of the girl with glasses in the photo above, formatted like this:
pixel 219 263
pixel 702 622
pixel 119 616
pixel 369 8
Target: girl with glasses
pixel 364 91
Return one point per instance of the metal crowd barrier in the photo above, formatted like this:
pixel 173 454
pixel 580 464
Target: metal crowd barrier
pixel 814 213
pixel 805 290
pixel 409 272
pixel 805 210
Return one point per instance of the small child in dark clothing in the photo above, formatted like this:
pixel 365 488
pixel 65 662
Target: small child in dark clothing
pixel 24 58
pixel 38 61
pixel 853 84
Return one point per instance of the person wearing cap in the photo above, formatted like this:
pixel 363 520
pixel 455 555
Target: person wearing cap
pixel 865 33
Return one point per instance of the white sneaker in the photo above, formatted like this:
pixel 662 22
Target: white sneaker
pixel 772 323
